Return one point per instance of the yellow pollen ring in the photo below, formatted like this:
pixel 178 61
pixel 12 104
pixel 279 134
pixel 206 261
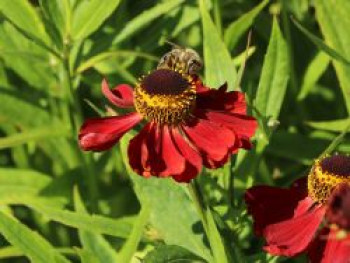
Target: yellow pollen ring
pixel 170 109
pixel 322 183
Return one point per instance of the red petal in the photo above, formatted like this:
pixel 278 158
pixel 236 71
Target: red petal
pixel 220 100
pixel 138 153
pixel 102 133
pixel 153 152
pixel 243 126
pixel 269 205
pixel 193 160
pixel 121 96
pixel 214 142
pixel 328 248
pixel 174 161
pixel 293 236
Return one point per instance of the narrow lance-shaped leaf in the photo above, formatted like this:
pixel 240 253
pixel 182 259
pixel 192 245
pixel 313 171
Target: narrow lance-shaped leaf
pixel 313 73
pixel 332 125
pixel 274 76
pixel 216 242
pixel 89 16
pixel 146 17
pixel 94 243
pixel 34 246
pixel 218 64
pixel 130 246
pixel 237 28
pixel 333 19
pixel 23 15
pixel 321 45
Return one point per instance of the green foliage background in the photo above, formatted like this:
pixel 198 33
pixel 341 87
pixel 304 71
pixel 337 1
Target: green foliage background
pixel 59 204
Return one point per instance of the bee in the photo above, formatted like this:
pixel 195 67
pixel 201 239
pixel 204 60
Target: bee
pixel 184 60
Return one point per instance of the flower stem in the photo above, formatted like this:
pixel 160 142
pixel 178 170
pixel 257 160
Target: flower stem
pixel 198 202
pixel 75 117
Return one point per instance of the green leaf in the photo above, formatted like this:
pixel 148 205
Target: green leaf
pixel 313 73
pixel 170 253
pixel 33 135
pixel 30 61
pixel 145 18
pixel 321 45
pixel 274 77
pixel 89 16
pixel 22 177
pixel 20 112
pixel 130 246
pixel 219 67
pixel 10 252
pixel 333 125
pixel 215 240
pixel 336 33
pixel 34 246
pixel 23 15
pixel 92 242
pixel 237 28
pixel 167 198
pixel 54 12
pixel 94 223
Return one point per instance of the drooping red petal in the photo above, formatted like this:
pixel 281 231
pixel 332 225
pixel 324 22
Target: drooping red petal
pixel 214 142
pixel 122 95
pixel 138 153
pixel 293 236
pixel 193 160
pixel 269 205
pixel 242 125
pixel 153 152
pixel 328 247
pixel 174 161
pixel 100 134
pixel 221 100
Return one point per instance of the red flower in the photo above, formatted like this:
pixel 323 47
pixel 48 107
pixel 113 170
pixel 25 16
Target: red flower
pixel 291 220
pixel 187 125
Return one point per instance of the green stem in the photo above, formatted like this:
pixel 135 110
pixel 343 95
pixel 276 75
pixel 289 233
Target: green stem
pixel 75 118
pixel 198 202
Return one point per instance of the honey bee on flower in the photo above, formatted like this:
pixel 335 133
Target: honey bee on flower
pixel 186 124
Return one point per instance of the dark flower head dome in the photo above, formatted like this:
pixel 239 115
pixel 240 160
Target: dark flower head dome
pixel 326 174
pixel 165 96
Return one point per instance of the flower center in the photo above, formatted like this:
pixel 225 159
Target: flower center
pixel 165 96
pixel 326 174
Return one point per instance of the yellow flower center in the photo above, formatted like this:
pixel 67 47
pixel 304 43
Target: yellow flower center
pixel 165 96
pixel 326 174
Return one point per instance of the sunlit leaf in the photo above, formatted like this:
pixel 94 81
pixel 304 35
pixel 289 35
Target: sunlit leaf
pixel 29 242
pixel 274 77
pixel 219 67
pixel 146 17
pixel 334 22
pixel 333 125
pixel 89 15
pixel 237 28
pixel 24 16
pixel 313 73
pixel 92 242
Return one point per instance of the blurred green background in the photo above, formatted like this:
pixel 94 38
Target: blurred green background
pixel 53 56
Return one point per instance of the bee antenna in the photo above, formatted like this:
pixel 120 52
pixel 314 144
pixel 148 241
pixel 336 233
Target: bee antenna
pixel 173 45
